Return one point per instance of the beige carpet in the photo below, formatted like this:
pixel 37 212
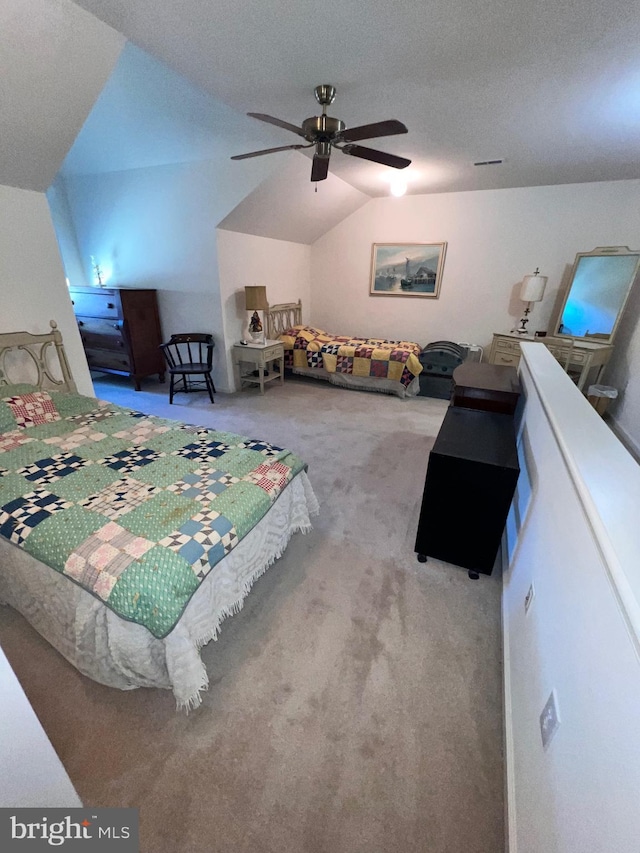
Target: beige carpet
pixel 354 703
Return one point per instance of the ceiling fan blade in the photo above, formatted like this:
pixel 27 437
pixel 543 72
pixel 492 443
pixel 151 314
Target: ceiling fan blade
pixel 371 131
pixel 279 123
pixel 270 151
pixel 320 168
pixel 377 156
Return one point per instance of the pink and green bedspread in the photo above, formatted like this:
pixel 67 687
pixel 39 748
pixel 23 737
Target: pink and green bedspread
pixel 307 347
pixel 135 509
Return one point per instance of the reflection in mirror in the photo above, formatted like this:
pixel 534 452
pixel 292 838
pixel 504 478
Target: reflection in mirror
pixel 597 293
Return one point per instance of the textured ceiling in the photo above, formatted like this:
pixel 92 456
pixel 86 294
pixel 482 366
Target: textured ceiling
pixel 553 88
pixel 54 61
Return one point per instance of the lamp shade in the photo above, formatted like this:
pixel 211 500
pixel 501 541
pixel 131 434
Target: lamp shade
pixel 255 298
pixel 532 288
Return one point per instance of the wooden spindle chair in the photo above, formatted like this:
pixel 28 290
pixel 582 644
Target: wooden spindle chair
pixel 188 356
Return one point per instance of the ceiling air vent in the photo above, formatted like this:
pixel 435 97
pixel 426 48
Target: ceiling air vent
pixel 488 162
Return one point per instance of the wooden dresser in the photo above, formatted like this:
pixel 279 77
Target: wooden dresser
pixel 577 356
pixel 120 330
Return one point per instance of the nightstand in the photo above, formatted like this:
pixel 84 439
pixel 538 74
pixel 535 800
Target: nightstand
pixel 259 357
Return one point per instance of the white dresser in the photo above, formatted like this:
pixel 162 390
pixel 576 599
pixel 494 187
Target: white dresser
pixel 585 359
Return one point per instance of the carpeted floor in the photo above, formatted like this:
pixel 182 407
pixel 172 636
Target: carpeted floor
pixel 354 703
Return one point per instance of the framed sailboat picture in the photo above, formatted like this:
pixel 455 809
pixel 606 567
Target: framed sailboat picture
pixel 407 269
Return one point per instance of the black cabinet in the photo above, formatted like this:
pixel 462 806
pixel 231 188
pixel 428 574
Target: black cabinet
pixel 471 477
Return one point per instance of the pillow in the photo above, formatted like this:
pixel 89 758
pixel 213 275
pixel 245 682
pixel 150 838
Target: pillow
pixel 31 409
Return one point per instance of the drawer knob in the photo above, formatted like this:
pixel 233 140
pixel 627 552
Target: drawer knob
pixel 116 326
pixel 80 323
pixel 110 305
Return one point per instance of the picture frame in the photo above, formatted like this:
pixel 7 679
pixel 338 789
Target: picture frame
pixel 407 269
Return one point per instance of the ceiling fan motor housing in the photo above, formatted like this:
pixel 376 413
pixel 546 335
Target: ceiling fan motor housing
pixel 322 128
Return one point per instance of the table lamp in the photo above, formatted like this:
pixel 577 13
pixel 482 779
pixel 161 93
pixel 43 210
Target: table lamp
pixel 531 290
pixel 255 302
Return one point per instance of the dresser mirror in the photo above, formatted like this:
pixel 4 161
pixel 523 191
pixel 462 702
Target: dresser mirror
pixel 597 292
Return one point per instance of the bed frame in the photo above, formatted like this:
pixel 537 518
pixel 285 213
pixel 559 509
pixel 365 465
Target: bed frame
pixel 38 350
pixel 282 317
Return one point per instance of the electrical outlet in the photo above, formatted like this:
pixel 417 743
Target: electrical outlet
pixel 549 719
pixel 528 599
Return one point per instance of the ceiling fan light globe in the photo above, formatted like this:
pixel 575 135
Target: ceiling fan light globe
pixel 398 188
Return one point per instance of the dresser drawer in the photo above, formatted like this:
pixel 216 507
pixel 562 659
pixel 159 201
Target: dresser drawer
pixel 101 303
pixel 97 333
pixel 561 353
pixel 576 357
pixel 506 345
pixel 109 342
pixel 509 358
pixel 110 359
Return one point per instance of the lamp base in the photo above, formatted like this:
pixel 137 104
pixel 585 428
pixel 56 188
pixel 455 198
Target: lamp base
pixel 254 329
pixel 522 328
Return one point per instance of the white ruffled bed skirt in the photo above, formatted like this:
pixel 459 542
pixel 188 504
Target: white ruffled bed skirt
pixel 122 654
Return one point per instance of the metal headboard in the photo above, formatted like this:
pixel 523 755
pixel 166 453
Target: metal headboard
pixel 282 317
pixel 36 349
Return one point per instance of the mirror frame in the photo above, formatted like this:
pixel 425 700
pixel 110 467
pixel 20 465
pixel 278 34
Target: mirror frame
pixel 601 251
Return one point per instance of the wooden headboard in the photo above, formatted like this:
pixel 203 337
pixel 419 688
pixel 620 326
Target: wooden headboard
pixel 21 352
pixel 282 317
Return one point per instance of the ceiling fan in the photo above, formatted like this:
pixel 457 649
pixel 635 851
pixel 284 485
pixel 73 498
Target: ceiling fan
pixel 324 133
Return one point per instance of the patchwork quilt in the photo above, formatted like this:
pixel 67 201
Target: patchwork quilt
pixel 308 347
pixel 135 509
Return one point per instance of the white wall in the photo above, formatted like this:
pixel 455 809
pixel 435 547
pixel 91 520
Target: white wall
pixel 578 545
pixel 494 238
pixel 32 774
pixel 156 228
pixel 244 259
pixel 32 280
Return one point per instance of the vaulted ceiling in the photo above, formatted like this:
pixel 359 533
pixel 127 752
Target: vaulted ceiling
pixel 551 88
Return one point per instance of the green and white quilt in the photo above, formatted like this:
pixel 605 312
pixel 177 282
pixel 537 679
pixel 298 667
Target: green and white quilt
pixel 135 509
